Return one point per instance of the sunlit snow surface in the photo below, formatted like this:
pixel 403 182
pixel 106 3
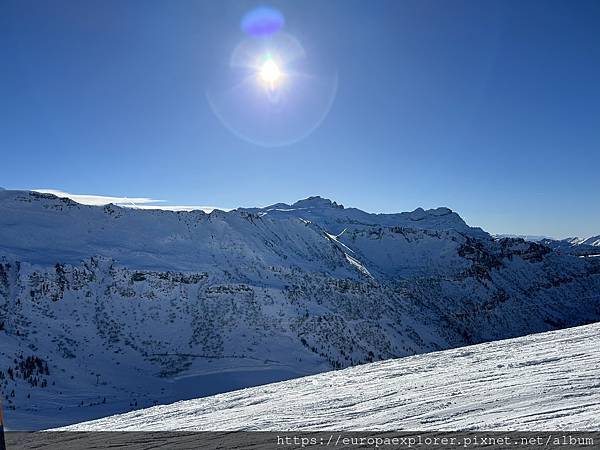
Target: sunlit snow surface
pixel 542 381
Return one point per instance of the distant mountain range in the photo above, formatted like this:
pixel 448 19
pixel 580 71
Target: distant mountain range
pixel 527 237
pixel 106 309
pixel 576 246
pixel 573 241
pixel 573 245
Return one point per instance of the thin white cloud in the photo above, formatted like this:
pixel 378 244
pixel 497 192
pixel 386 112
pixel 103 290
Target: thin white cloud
pixel 98 200
pixel 127 202
pixel 206 209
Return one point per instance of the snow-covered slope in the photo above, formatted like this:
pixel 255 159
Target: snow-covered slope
pixel 589 247
pixel 108 309
pixel 593 240
pixel 538 382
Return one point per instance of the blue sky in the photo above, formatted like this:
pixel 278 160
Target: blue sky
pixel 490 108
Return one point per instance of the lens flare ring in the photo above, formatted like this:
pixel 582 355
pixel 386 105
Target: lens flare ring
pixel 269 94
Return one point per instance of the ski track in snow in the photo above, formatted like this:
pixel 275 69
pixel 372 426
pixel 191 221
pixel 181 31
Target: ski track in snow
pixel 542 381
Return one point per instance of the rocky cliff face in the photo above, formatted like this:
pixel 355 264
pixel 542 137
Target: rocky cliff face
pixel 105 309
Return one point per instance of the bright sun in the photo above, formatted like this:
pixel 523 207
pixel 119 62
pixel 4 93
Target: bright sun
pixel 269 72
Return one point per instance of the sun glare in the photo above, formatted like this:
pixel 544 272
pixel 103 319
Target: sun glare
pixel 269 72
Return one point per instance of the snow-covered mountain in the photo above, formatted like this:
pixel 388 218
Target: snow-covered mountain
pixel 545 381
pixel 589 247
pixel 573 245
pixel 106 309
pixel 593 240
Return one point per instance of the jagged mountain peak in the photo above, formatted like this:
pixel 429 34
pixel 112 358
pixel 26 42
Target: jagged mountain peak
pixel 317 201
pixel 337 217
pixel 312 202
pixel 420 213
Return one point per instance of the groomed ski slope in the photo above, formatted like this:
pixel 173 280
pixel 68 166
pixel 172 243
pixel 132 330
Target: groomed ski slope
pixel 542 381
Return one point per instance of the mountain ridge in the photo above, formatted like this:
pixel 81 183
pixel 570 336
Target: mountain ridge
pixel 194 304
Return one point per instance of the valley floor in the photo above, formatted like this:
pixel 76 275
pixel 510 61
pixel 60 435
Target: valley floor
pixel 542 381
